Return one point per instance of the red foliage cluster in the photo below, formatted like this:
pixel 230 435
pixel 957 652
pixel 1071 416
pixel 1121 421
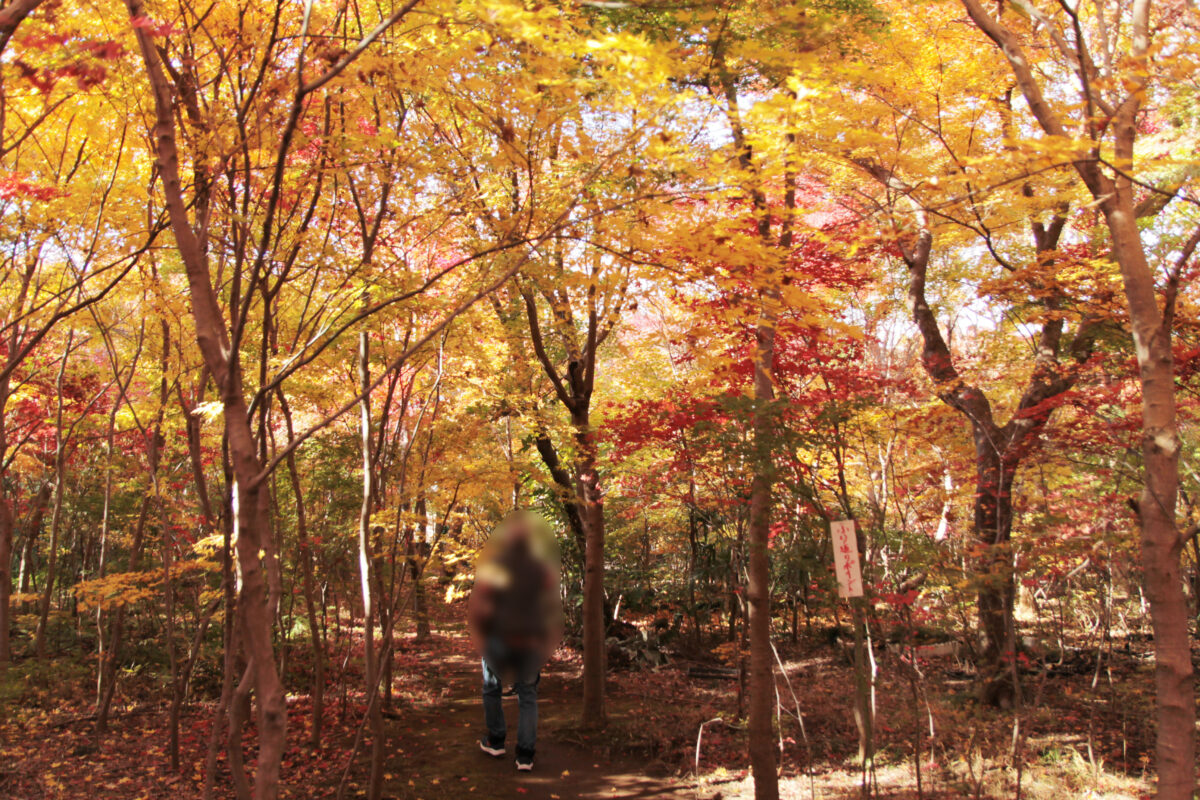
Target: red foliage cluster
pixel 14 187
pixel 818 369
pixel 154 27
pixel 70 56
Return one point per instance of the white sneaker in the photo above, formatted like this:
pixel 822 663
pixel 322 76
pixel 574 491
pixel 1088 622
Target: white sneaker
pixel 493 751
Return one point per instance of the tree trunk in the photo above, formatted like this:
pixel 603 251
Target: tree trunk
pixel 228 640
pixel 308 586
pixel 223 363
pixel 60 445
pixel 1161 543
pixel 116 630
pixel 105 522
pixel 32 528
pixel 253 608
pixel 693 564
pixel 7 523
pixel 994 570
pixel 574 391
pixel 758 585
pixel 566 492
pixel 591 508
pixel 420 602
pixel 6 557
pixel 365 562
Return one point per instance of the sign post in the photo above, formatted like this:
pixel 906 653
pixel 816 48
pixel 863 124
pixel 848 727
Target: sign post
pixel 848 567
pixel 845 558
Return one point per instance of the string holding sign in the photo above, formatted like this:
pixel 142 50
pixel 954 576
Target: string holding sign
pixel 845 558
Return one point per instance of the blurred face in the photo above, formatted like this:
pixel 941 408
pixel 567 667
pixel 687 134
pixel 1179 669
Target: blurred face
pixel 516 535
pixel 523 533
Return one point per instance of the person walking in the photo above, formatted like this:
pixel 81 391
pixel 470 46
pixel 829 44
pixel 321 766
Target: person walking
pixel 515 619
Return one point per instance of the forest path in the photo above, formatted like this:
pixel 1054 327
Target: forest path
pixel 434 754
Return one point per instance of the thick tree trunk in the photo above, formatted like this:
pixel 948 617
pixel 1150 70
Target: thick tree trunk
pixel 998 452
pixel 1161 542
pixel 253 608
pixel 417 558
pixel 994 570
pixel 574 391
pixel 1160 538
pixel 420 602
pixel 864 686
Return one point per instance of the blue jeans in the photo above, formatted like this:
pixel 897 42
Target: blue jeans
pixel 523 665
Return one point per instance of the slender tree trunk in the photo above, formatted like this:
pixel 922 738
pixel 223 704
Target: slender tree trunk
pixel 566 493
pixel 239 715
pixel 33 527
pixel 365 563
pixel 165 543
pixel 177 684
pixel 693 563
pixel 105 522
pixel 591 507
pixel 228 640
pixel 116 631
pixel 60 445
pixel 308 586
pixel 758 568
pixel 252 530
pixel 7 524
pixel 758 586
pixel 6 583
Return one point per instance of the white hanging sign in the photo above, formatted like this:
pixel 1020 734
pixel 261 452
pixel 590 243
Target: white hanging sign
pixel 845 558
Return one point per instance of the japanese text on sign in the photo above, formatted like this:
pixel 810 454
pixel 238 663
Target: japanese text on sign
pixel 845 559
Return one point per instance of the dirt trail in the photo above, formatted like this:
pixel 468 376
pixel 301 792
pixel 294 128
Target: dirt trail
pixel 434 750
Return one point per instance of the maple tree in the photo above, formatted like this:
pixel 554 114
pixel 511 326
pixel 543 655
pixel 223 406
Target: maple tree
pixel 1099 140
pixel 299 300
pixel 931 203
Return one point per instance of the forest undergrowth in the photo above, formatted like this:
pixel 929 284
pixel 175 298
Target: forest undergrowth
pixel 1083 731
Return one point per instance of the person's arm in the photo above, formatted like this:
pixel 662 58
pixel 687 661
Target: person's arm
pixel 554 612
pixel 479 612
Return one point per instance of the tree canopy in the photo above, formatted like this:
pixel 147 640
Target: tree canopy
pixel 299 300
